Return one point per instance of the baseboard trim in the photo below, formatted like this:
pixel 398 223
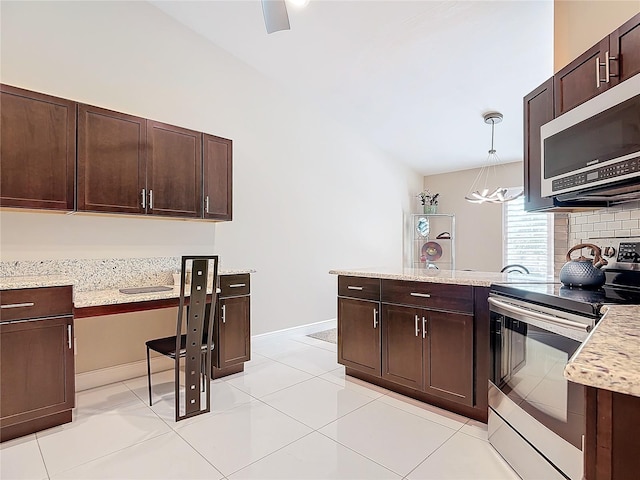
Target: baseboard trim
pixel 303 329
pixel 127 371
pixel 119 373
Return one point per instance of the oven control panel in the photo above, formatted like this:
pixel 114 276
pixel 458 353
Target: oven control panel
pixel 629 252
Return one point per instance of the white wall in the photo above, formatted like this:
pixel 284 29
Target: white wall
pixel 308 195
pixel 478 227
pixel 579 24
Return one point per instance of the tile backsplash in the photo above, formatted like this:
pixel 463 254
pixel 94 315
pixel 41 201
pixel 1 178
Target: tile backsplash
pixel 572 228
pixel 619 222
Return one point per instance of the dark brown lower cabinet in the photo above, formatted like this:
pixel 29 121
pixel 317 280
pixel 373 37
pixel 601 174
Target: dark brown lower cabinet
pixel 429 350
pixel 611 443
pixel 232 327
pixel 359 335
pixel 403 345
pixel 449 356
pixel 426 340
pixel 36 367
pixel 234 332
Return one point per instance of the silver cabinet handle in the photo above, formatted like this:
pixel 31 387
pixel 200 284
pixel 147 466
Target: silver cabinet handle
pixel 423 295
pixel 351 287
pixel 417 331
pixel 69 336
pixel 206 204
pixel 17 305
pixel 375 318
pixel 237 285
pixel 424 327
pixel 150 199
pixel 143 194
pixel 224 314
pixel 598 64
pixel 607 67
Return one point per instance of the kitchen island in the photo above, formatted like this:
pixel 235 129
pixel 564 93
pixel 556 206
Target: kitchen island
pixel 423 333
pixel 608 364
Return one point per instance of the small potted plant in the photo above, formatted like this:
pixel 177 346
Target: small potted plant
pixel 429 201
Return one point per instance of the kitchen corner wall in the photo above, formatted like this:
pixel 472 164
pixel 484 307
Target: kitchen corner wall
pixel 479 229
pixel 309 195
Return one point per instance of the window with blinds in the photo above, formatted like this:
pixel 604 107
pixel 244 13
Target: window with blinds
pixel 528 238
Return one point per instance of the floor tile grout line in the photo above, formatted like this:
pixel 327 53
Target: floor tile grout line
pixel 427 457
pixel 44 462
pixel 111 453
pixel 419 416
pixel 360 454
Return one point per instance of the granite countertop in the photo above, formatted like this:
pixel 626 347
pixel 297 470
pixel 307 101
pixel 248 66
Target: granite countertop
pixel 610 356
pixel 35 281
pixel 94 298
pixel 459 277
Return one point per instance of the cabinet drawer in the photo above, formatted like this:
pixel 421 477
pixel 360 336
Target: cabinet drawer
pixel 429 295
pixel 35 302
pixel 359 287
pixel 234 285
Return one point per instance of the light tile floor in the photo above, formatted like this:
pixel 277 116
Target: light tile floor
pixel 292 414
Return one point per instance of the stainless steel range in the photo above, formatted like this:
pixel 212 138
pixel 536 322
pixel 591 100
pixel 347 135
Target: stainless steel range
pixel 536 417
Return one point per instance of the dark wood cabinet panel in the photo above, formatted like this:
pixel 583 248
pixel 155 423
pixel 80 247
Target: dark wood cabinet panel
pixel 428 295
pixel 538 110
pixel 624 44
pixel 36 375
pixel 402 339
pixel 359 335
pixel 37 150
pixel 111 161
pixel 232 337
pixel 26 303
pixel 449 356
pixel 218 178
pixel 235 285
pixel 611 441
pixel 174 170
pixel 577 82
pixel 359 287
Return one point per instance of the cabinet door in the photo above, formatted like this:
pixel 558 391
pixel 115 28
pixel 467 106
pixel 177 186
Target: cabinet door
pixel 37 150
pixel 359 335
pixel 111 161
pixel 233 332
pixel 36 369
pixel 538 110
pixel 581 79
pixel 624 45
pixel 218 179
pixel 449 356
pixel 174 170
pixel 402 334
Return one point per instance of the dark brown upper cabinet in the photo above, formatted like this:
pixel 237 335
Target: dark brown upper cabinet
pixel 612 60
pixel 174 170
pixel 37 150
pixel 111 161
pixel 218 178
pixel 538 110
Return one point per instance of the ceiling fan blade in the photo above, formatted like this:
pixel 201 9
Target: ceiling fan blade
pixel 275 15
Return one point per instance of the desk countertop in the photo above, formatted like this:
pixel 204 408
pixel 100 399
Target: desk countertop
pixel 97 297
pixel 610 356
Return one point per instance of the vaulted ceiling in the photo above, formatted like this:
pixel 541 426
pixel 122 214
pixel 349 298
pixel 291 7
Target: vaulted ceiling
pixel 414 77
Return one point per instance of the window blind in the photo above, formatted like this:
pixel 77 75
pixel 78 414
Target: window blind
pixel 528 238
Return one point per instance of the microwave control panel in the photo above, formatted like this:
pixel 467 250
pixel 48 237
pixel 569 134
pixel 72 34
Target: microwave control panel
pixel 630 166
pixel 629 252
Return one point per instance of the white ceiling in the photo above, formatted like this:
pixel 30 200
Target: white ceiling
pixel 414 77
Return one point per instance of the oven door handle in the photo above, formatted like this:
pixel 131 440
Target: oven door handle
pixel 540 316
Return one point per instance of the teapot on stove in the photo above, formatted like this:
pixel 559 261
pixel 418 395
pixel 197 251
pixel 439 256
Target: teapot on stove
pixel 584 272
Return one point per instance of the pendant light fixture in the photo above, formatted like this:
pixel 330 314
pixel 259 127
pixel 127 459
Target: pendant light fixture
pixel 482 185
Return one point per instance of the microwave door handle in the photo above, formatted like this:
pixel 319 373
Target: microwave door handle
pixel 540 316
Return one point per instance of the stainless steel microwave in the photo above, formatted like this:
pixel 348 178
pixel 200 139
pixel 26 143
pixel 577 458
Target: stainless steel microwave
pixel 592 152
